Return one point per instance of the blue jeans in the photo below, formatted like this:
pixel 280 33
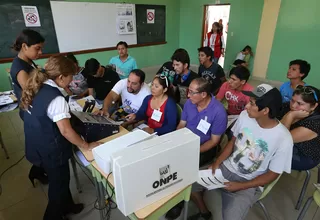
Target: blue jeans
pixel 301 162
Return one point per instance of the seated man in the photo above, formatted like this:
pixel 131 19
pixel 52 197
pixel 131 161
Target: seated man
pixel 207 118
pixel 231 91
pixel 123 63
pixel 183 77
pixel 167 68
pixel 131 91
pixel 209 70
pixel 100 79
pixel 259 151
pixel 204 116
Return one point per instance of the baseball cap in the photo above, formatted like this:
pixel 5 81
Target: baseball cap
pixel 91 66
pixel 267 96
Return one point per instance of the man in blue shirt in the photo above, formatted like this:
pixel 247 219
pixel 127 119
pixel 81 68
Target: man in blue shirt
pixel 297 72
pixel 123 63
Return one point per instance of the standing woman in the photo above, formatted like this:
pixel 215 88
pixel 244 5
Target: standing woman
pixel 48 132
pixel 215 40
pixel 29 46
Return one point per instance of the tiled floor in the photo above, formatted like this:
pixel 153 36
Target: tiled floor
pixel 19 200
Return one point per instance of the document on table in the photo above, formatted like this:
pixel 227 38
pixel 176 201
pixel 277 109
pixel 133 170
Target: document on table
pixel 210 181
pixel 5 100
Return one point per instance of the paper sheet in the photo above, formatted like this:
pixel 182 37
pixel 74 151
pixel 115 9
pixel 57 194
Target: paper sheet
pixel 74 106
pixel 5 100
pixel 82 159
pixel 210 181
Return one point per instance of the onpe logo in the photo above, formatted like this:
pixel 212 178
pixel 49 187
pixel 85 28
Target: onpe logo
pixel 165 176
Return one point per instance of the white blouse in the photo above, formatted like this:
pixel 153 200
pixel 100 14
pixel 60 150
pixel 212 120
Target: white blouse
pixel 58 108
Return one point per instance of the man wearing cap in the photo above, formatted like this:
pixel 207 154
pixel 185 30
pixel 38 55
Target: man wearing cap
pixel 100 79
pixel 259 151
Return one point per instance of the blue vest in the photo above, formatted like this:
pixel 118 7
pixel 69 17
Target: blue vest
pixel 45 146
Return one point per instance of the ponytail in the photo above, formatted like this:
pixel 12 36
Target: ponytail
pixel 54 67
pixel 33 84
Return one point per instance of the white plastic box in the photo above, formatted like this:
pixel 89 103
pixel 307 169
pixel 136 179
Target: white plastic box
pixel 102 153
pixel 150 170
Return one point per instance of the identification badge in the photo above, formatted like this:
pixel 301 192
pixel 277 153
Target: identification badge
pixel 203 126
pixel 156 115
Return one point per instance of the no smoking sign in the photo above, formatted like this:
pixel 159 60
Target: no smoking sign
pixel 31 18
pixel 150 16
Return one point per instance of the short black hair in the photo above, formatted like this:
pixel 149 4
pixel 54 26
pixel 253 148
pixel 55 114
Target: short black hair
pixel 72 57
pixel 207 51
pixel 28 37
pixel 122 43
pixel 91 66
pixel 240 72
pixel 304 67
pixel 182 57
pixel 139 73
pixel 180 50
pixel 203 85
pixel 247 48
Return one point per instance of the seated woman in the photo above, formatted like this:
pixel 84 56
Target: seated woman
pixel 158 109
pixel 303 121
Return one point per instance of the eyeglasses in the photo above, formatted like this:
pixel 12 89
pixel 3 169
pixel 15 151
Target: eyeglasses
pixel 307 90
pixel 162 76
pixel 192 92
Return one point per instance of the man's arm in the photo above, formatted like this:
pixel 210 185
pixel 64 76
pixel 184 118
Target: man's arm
pixel 109 100
pixel 261 180
pixel 181 124
pixel 213 142
pixel 90 90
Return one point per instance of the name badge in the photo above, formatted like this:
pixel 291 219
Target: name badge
pixel 203 126
pixel 156 115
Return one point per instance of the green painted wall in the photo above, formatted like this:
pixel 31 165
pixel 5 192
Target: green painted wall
pixel 244 22
pixel 296 37
pixel 145 56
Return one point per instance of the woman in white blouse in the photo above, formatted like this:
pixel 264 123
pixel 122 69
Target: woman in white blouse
pixel 48 132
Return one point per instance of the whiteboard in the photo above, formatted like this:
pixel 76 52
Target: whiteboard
pixel 84 26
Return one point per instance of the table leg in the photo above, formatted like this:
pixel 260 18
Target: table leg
pixel 185 210
pixel 74 167
pixel 97 187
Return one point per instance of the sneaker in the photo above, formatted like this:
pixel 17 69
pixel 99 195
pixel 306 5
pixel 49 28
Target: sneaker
pixel 201 216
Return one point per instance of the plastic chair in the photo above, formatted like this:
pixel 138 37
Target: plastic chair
pixel 304 187
pixel 316 198
pixel 265 192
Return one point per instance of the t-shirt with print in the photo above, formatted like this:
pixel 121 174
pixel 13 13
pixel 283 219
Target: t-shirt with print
pixel 181 84
pixel 213 74
pixel 236 99
pixel 168 70
pixel 131 102
pixel 258 150
pixel 78 84
pixel 287 92
pixel 214 114
pixel 103 85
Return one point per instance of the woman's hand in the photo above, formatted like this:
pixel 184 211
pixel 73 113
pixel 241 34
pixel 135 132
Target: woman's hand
pixel 299 114
pixel 148 130
pixel 131 117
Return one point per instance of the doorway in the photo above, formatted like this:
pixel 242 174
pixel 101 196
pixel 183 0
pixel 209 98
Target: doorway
pixel 213 13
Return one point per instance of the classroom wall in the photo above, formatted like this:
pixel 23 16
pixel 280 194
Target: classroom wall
pixel 145 56
pixel 268 26
pixel 244 22
pixel 297 36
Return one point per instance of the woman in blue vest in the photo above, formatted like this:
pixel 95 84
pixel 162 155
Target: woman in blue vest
pixel 48 132
pixel 29 47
